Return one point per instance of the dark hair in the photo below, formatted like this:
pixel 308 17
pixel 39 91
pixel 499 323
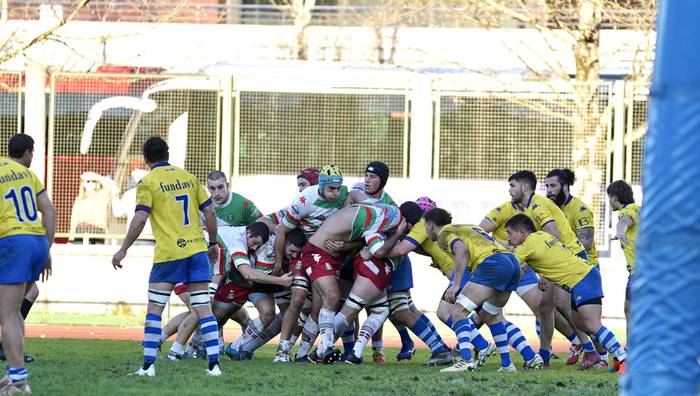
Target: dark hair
pixel 521 221
pixel 622 191
pixel 155 150
pixel 565 176
pixel 296 237
pixel 259 229
pixel 439 217
pixel 525 176
pixel 411 212
pixel 216 175
pixel 19 144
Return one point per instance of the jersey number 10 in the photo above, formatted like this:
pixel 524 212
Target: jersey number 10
pixel 26 195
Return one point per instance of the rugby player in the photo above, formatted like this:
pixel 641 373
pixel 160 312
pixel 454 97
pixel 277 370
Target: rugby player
pixel 548 217
pixel 621 198
pixel 172 198
pixel 495 273
pixel 371 223
pixel 308 211
pixel 553 260
pixel 418 241
pixel 580 217
pixel 25 241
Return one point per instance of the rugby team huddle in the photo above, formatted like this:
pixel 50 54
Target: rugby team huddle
pixel 310 268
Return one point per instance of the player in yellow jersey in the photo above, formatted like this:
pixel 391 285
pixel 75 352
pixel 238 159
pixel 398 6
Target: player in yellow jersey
pixel 580 217
pixel 172 198
pixel 418 241
pixel 494 274
pixel 621 200
pixel 551 259
pixel 495 223
pixel 548 217
pixel 25 240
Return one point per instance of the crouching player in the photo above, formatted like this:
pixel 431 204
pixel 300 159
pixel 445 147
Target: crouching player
pixel 495 273
pixel 551 259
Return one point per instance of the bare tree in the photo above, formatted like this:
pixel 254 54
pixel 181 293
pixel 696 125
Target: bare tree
pixel 301 13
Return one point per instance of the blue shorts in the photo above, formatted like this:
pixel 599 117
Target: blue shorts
pixel 22 258
pixel 499 271
pixel 187 270
pixel 588 290
pixel 527 281
pixel 402 278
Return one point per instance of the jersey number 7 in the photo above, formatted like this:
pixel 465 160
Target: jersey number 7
pixel 185 200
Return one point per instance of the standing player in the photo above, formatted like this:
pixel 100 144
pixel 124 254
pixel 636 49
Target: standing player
pixel 621 200
pixel 21 150
pixel 172 198
pixel 25 241
pixel 554 261
pixel 494 274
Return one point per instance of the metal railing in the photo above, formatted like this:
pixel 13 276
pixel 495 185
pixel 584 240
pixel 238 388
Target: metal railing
pixel 322 15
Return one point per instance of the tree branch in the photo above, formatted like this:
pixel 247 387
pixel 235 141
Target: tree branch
pixel 45 34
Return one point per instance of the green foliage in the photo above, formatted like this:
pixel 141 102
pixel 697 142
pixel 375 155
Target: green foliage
pixel 92 367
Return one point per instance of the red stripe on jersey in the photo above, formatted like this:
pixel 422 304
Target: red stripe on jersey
pixel 238 254
pixel 386 220
pixel 372 240
pixel 264 264
pixel 287 214
pixel 368 213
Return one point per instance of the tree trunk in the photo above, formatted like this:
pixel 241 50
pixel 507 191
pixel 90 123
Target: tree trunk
pixel 588 156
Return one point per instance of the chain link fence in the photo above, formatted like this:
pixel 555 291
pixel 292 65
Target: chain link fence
pixel 98 122
pixel 490 134
pixel 97 125
pixel 284 132
pixel 11 105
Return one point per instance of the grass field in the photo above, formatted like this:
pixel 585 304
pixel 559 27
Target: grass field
pixel 92 367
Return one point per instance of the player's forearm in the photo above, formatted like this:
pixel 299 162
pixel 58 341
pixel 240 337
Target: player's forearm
pixel 553 230
pixel 487 225
pixel 135 228
pixel 253 275
pixel 210 220
pixel 387 246
pixel 48 220
pixel 280 240
pixel 401 249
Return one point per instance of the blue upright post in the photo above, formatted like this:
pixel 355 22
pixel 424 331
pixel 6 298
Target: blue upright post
pixel 664 342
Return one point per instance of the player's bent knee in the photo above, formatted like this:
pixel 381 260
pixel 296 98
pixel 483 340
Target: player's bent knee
pixel 159 297
pixel 199 298
pixel 355 302
pixel 399 301
pixel 466 303
pixel 492 309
